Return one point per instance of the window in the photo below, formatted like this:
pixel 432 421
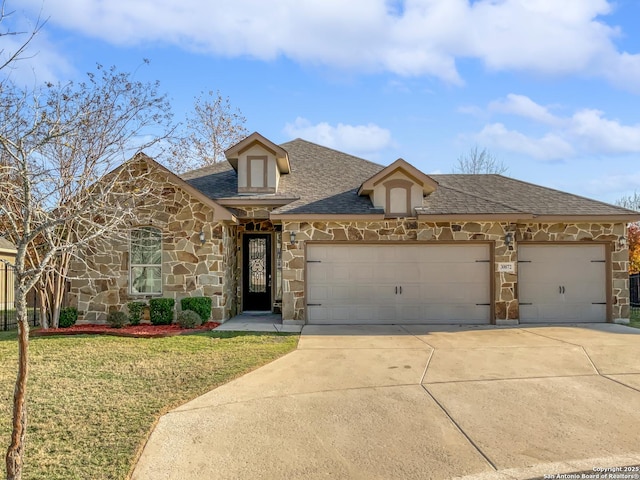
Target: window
pixel 257 171
pixel 146 261
pixel 398 197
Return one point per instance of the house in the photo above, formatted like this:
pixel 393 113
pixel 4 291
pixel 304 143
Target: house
pixel 7 257
pixel 331 238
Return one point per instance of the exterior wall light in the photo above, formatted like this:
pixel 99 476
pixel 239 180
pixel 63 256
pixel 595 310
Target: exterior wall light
pixel 292 238
pixel 202 239
pixel 508 239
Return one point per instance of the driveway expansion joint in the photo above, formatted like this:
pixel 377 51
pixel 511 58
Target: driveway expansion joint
pixel 552 338
pixel 288 395
pixel 459 428
pixel 424 374
pixel 619 382
pixel 481 380
pixel 416 337
pixel 590 361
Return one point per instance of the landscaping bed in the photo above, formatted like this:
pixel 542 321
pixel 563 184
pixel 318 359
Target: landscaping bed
pixel 138 331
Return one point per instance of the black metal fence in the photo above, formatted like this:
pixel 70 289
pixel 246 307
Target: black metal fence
pixel 7 309
pixel 634 294
pixel 634 289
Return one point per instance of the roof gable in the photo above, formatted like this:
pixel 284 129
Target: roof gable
pixel 221 213
pixel 427 183
pixel 234 152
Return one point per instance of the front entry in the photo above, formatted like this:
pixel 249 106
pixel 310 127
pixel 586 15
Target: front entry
pixel 256 272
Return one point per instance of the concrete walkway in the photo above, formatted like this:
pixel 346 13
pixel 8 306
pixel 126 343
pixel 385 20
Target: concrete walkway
pixel 415 402
pixel 257 322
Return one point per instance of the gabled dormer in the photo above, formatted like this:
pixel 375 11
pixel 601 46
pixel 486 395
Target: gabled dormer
pixel 259 164
pixel 398 189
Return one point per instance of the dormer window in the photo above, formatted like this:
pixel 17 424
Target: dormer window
pixel 398 189
pixel 398 198
pixel 257 171
pixel 259 162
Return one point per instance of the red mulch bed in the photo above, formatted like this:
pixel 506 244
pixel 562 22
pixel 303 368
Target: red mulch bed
pixel 138 331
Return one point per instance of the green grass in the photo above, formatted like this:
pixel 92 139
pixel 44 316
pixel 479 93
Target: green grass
pixel 93 400
pixel 635 318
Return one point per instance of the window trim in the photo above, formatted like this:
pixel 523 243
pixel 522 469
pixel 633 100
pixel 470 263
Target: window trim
pixel 138 265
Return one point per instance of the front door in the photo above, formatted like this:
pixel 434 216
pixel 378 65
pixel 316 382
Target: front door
pixel 256 272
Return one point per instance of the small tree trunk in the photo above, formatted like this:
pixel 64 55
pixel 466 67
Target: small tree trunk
pixel 15 452
pixel 42 298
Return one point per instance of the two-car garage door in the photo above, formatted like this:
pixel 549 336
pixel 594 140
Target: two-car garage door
pixel 396 283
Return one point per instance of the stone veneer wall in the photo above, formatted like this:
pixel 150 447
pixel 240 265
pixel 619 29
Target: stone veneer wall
pixel 506 303
pixel 188 267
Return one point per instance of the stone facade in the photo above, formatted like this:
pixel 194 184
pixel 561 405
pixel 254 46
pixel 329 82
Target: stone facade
pixel 214 269
pixel 411 230
pixel 189 267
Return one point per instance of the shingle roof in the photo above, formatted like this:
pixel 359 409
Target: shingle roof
pixel 326 181
pixel 510 194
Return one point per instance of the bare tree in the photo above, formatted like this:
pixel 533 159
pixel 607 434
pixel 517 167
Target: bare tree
pixel 18 53
pixel 212 127
pixel 479 161
pixel 632 202
pixel 61 190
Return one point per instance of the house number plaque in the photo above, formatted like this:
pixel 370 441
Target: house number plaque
pixel 507 267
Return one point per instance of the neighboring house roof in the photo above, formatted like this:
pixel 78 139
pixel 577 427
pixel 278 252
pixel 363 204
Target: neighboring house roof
pixel 6 246
pixel 326 181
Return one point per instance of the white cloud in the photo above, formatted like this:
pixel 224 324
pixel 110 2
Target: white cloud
pixel 547 147
pixel 358 139
pixel 585 132
pixel 617 185
pixel 524 107
pixel 409 38
pixel 603 135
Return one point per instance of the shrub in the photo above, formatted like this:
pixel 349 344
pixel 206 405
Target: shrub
pixel 68 317
pixel 200 305
pixel 135 312
pixel 189 319
pixel 161 311
pixel 118 319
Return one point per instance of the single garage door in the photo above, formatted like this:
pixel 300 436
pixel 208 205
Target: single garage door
pixel 373 283
pixel 562 283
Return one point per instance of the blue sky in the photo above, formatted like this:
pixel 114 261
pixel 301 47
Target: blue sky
pixel 551 88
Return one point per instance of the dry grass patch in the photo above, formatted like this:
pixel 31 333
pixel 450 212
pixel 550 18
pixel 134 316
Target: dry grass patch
pixel 93 399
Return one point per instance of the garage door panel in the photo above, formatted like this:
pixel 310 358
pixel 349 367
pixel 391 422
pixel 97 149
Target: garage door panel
pixel 440 284
pixel 562 283
pixel 317 293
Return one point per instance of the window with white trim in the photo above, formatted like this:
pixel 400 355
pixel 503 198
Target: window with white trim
pixel 146 261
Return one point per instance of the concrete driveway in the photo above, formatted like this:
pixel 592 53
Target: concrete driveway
pixel 415 402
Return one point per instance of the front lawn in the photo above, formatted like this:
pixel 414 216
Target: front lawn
pixel 93 400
